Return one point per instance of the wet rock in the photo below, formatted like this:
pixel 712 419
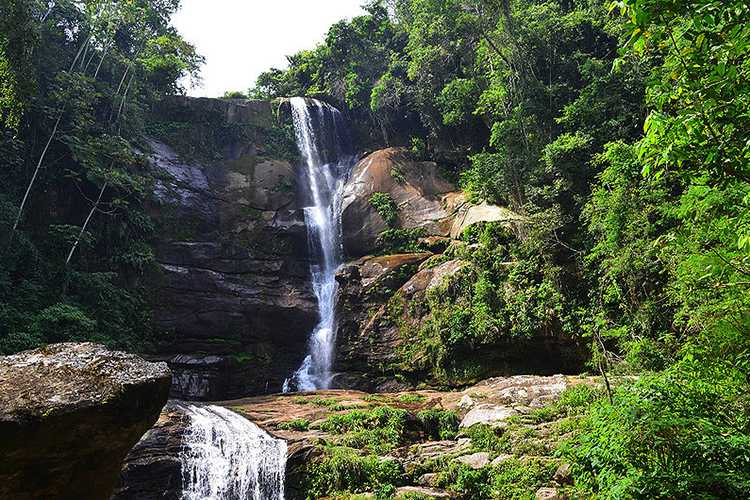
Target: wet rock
pixel 152 469
pixel 196 377
pixel 69 413
pixel 232 276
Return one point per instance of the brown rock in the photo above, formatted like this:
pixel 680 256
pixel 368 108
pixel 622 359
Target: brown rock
pixel 69 413
pixel 563 477
pixel 547 494
pixel 423 197
pixel 152 469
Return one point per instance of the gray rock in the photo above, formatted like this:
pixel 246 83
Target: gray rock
pixel 429 479
pixel 69 413
pixel 468 214
pixel 547 494
pixel 232 276
pixel 475 460
pixel 488 414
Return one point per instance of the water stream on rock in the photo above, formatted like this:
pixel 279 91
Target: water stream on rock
pixel 324 145
pixel 225 456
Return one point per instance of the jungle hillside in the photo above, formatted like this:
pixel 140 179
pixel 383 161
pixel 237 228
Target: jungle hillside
pixel 618 132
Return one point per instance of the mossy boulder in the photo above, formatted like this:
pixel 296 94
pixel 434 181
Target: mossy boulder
pixel 69 414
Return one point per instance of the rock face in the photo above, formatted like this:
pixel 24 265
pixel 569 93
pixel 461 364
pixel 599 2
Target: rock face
pixel 468 214
pixel 152 469
pixel 231 292
pixel 423 196
pixel 367 335
pixel 69 413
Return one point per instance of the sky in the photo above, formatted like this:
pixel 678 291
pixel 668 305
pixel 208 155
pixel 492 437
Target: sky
pixel 240 39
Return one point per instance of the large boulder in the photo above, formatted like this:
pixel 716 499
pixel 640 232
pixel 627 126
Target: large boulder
pixel 423 196
pixel 69 413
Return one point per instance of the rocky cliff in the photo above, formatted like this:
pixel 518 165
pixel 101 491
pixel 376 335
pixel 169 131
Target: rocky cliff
pixel 231 293
pixel 69 413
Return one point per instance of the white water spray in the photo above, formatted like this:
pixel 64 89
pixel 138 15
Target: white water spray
pixel 225 456
pixel 321 137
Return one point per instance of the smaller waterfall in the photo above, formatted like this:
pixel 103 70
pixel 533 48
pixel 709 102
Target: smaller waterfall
pixel 226 456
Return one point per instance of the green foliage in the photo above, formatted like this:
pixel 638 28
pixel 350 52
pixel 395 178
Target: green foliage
pixel 493 440
pixel 71 175
pixel 439 424
pixel 385 206
pixel 700 122
pixel 299 425
pixel 412 398
pixel 514 479
pixel 281 143
pixel 680 434
pixel 394 241
pixel 342 469
pixel 236 94
pixel 379 429
pixel 397 174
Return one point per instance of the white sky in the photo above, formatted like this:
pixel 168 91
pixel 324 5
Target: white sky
pixel 242 38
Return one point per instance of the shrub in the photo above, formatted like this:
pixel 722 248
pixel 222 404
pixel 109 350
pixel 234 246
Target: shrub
pixel 342 469
pixel 300 424
pixel 412 398
pixel 396 241
pixel 677 435
pixel 439 424
pixel 378 430
pixel 385 206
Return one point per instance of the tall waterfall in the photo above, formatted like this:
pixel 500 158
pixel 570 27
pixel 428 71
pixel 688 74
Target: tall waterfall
pixel 225 456
pixel 322 138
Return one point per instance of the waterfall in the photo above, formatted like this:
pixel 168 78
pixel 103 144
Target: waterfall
pixel 225 456
pixel 323 142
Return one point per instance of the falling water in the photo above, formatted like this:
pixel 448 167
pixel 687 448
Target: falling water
pixel 225 456
pixel 322 140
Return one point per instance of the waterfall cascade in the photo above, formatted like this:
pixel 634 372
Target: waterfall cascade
pixel 226 456
pixel 323 141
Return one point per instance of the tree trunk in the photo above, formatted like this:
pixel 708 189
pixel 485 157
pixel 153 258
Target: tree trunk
pixel 86 223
